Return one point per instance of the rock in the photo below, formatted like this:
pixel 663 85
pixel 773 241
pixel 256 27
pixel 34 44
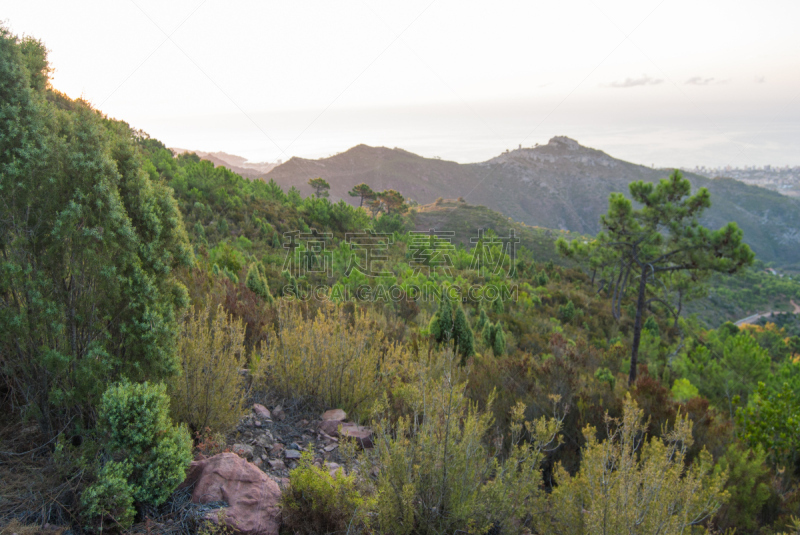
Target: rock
pixel 362 435
pixel 337 415
pixel 243 450
pixel 278 413
pixel 334 469
pixel 295 446
pixel 330 427
pixel 292 454
pixel 329 448
pixel 253 498
pixel 276 449
pixel 277 464
pixel 261 411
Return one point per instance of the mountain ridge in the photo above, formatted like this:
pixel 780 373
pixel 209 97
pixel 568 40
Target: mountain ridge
pixel 561 185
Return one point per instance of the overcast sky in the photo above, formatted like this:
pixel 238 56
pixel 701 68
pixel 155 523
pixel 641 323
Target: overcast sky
pixel 664 82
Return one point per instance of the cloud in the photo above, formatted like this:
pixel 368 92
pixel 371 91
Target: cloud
pixel 633 82
pixel 699 80
pixel 760 79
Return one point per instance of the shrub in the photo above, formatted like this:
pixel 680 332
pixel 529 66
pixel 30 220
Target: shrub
pixel 317 502
pixel 437 472
pixel 209 393
pixel 335 359
pixel 631 483
pixel 108 503
pixel 148 454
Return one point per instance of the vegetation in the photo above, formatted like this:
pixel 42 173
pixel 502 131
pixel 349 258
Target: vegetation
pixel 495 382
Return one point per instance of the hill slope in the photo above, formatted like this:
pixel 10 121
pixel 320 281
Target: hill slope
pixel 559 185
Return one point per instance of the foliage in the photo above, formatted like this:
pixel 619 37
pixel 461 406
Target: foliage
pixel 317 502
pixel 450 324
pixel 148 456
pixel 363 192
pixel 209 392
pixel 436 473
pixel 89 247
pixel 684 390
pixel 747 486
pixel 320 187
pixel 257 284
pixel 632 483
pixel 659 239
pixel 772 420
pixel 337 359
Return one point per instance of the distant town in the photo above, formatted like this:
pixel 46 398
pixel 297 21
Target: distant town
pixel 784 180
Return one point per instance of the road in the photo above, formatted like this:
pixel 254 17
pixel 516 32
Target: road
pixel 755 317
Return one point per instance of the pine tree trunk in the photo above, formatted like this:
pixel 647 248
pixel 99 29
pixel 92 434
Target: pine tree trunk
pixel 637 326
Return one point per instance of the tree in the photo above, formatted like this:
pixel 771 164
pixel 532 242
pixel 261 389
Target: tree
pixel 643 246
pixel 89 242
pixel 393 201
pixel 320 187
pixel 364 192
pixel 450 324
pixel 258 284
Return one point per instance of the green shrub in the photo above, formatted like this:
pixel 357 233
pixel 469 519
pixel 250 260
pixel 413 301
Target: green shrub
pixel 108 503
pixel 209 392
pixel 317 502
pixel 148 454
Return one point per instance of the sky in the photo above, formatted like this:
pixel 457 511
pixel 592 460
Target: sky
pixel 663 82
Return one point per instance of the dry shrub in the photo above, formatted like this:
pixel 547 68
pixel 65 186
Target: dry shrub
pixel 208 393
pixel 335 359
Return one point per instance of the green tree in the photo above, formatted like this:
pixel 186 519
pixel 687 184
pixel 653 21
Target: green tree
pixel 450 324
pixel 362 191
pixel 393 202
pixel 89 243
pixel 772 420
pixel 258 284
pixel 320 187
pixel 642 246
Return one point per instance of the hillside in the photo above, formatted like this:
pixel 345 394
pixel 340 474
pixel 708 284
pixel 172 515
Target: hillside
pixel 558 185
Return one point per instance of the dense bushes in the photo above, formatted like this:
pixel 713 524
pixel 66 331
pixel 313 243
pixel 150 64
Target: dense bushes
pixel 317 502
pixel 339 359
pixel 208 393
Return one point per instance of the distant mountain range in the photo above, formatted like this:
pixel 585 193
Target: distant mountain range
pixel 237 164
pixel 560 185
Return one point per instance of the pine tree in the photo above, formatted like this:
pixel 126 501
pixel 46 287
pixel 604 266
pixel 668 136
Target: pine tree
pixel 257 284
pixel 483 320
pixel 645 246
pixel 499 342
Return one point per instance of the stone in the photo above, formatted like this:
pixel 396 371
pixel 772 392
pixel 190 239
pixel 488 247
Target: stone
pixel 334 469
pixel 337 415
pixel 276 449
pixel 243 450
pixel 292 454
pixel 330 447
pixel 277 464
pixel 362 435
pixel 330 427
pixel 261 411
pixel 253 498
pixel 278 413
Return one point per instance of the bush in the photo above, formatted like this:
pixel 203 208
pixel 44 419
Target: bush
pixel 632 483
pixel 148 454
pixel 437 472
pixel 336 360
pixel 317 502
pixel 209 393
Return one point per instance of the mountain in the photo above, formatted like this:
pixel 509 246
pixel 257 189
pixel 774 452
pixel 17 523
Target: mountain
pixel 237 164
pixel 561 185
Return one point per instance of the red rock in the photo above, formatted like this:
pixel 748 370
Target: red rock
pixel 261 411
pixel 334 414
pixel 253 497
pixel 330 427
pixel 361 434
